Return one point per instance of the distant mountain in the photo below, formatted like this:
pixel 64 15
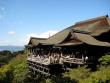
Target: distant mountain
pixel 11 48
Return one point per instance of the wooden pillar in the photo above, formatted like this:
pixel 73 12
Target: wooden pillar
pixel 83 57
pixel 79 65
pixel 34 51
pixel 73 55
pixel 31 50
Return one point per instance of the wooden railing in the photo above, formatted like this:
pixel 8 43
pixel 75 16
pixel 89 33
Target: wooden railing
pixel 74 60
pixel 46 61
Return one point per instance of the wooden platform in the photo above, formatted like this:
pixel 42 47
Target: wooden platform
pixel 47 70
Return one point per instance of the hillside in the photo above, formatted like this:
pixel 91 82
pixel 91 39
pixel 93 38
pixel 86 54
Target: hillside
pixel 16 71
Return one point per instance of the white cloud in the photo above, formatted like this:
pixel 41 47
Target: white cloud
pixel 41 35
pixel 24 40
pixel 3 8
pixel 15 42
pixel 31 35
pixel 47 34
pixel 11 32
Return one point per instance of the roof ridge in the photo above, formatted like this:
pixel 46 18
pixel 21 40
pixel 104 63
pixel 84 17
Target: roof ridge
pixel 92 19
pixel 37 38
pixel 60 31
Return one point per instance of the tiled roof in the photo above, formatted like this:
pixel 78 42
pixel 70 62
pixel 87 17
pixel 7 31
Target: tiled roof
pixel 84 31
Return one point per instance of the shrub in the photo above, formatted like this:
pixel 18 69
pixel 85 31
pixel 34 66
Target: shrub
pixel 6 74
pixel 105 60
pixel 78 74
pixel 15 71
pixel 100 76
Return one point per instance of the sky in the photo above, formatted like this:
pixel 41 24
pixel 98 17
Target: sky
pixel 22 19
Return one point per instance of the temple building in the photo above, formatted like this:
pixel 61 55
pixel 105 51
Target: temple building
pixel 80 44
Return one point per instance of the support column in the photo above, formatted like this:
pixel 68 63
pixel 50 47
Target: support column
pixel 79 65
pixel 31 50
pixel 83 57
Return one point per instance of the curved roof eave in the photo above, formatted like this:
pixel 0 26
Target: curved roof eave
pixel 88 39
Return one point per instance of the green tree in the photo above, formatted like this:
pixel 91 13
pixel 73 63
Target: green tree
pixel 105 60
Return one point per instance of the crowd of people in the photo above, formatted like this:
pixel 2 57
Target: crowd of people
pixel 50 58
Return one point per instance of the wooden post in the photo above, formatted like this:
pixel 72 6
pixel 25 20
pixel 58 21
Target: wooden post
pixel 83 57
pixel 79 65
pixel 30 50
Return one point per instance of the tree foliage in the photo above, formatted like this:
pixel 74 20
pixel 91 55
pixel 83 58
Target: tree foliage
pixel 105 60
pixel 16 70
pixel 5 57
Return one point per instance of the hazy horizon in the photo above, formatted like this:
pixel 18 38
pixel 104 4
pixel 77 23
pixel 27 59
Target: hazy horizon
pixel 11 48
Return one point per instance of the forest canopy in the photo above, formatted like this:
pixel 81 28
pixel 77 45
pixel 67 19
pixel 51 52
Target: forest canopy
pixel 15 70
